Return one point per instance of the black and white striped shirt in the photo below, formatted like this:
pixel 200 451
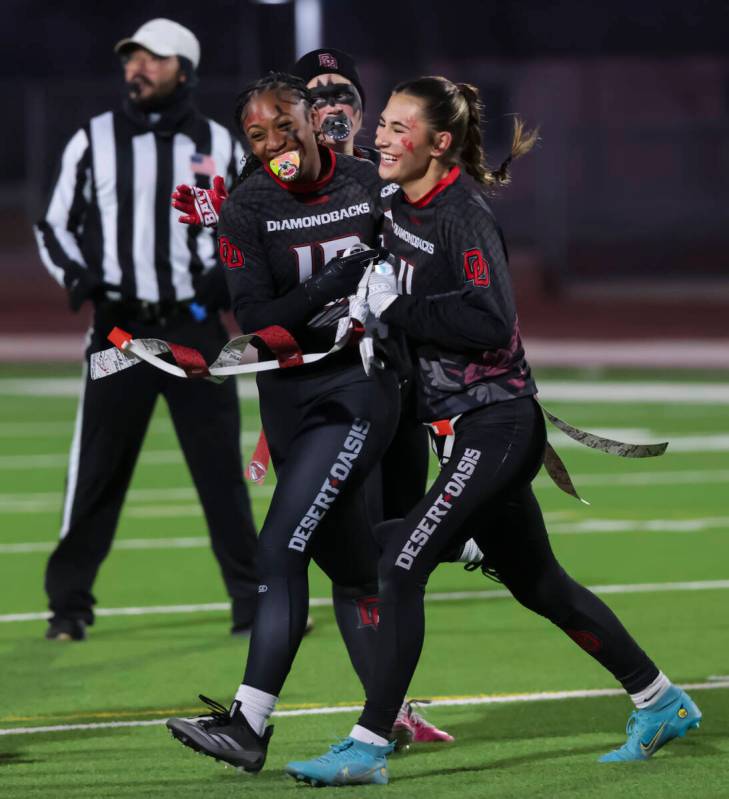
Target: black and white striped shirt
pixel 110 209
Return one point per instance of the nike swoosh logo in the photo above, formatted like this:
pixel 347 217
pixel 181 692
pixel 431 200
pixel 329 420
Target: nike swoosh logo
pixel 352 779
pixel 652 745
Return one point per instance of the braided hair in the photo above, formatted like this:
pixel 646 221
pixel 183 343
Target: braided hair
pixel 457 108
pixel 272 82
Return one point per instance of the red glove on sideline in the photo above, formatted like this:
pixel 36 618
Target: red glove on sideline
pixel 200 206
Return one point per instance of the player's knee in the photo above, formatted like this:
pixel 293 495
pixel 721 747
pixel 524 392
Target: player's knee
pixel 398 579
pixel 274 562
pixel 354 591
pixel 384 531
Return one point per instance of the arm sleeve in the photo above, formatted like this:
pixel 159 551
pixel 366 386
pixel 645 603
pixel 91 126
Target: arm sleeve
pixel 57 232
pixel 478 315
pixel 249 276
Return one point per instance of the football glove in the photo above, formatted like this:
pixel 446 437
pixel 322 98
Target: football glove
pixel 200 206
pixel 340 277
pixel 381 291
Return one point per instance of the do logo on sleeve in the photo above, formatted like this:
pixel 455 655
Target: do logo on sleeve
pixel 476 268
pixel 230 255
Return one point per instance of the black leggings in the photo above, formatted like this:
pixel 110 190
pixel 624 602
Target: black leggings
pixel 326 431
pixel 484 492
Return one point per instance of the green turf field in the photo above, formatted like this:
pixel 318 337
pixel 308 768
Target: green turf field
pixel 654 541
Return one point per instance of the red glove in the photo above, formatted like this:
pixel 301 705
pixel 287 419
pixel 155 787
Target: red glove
pixel 200 206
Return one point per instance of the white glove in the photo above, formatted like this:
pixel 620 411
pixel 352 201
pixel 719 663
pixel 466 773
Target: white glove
pixel 381 291
pixel 358 309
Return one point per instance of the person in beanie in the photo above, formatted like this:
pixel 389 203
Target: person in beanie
pixel 332 77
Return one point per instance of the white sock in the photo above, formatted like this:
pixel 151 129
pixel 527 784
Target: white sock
pixel 257 706
pixel 652 693
pixel 366 737
pixel 471 553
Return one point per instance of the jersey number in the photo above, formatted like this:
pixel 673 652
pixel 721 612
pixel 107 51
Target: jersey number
pixel 310 258
pixel 476 268
pixel 230 255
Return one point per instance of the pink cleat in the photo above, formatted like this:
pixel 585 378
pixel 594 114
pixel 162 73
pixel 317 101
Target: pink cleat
pixel 411 727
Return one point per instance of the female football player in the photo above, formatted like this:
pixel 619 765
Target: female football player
pixel 475 386
pixel 282 234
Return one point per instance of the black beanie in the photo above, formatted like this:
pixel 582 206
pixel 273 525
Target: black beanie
pixel 320 62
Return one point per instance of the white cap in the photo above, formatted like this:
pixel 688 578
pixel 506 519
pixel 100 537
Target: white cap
pixel 163 37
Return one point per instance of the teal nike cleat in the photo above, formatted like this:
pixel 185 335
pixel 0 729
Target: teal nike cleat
pixel 349 762
pixel 650 729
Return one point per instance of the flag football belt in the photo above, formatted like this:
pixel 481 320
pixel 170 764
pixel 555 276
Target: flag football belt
pixel 445 429
pixel 554 465
pixel 182 361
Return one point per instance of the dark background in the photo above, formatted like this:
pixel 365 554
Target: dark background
pixel 627 195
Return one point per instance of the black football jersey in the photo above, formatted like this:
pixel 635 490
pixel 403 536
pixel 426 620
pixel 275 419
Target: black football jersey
pixel 458 306
pixel 272 236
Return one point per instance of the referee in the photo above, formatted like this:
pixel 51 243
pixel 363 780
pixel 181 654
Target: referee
pixel 109 235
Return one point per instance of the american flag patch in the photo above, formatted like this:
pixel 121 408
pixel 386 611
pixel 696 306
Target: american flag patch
pixel 328 60
pixel 202 164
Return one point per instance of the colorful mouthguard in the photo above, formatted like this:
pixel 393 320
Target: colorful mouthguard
pixel 287 166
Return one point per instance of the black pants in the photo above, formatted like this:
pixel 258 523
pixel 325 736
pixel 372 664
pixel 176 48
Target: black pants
pixel 404 467
pixel 485 492
pixel 326 429
pixel 111 423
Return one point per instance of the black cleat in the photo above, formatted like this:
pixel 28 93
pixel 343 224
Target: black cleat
pixel 224 735
pixel 60 629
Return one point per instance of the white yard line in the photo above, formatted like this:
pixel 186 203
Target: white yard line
pixel 71 387
pixel 704 442
pixel 39 501
pixel 641 526
pixel 459 701
pixel 150 457
pixel 709 353
pixel 449 596
pixel 46 430
pixel 683 477
pixel 586 527
pixel 609 391
pixel 708 442
pixel 192 542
